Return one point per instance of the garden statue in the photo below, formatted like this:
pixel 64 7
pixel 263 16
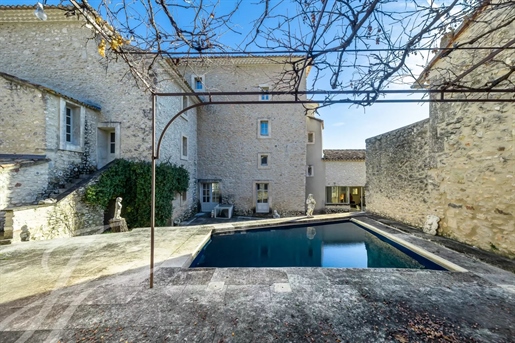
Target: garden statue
pixel 431 224
pixel 118 224
pixel 310 202
pixel 118 209
pixel 276 215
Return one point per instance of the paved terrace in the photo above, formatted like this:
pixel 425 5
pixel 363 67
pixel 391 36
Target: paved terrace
pixel 95 289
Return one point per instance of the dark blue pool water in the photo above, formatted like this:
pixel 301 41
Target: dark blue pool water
pixel 341 245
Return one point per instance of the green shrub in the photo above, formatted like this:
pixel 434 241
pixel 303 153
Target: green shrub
pixel 131 180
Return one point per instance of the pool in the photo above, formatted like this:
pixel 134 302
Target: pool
pixel 330 245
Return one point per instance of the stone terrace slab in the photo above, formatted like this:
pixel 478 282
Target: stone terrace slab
pixel 95 289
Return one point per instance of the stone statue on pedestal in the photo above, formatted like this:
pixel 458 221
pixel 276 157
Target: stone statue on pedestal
pixel 310 202
pixel 118 224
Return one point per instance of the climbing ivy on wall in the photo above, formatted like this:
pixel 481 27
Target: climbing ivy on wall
pixel 131 180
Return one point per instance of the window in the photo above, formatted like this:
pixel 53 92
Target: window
pixel 71 126
pixel 184 147
pixel 263 160
pixel 184 196
pixel 265 96
pixel 198 82
pixel 185 104
pixel 311 137
pixel 337 195
pixel 112 142
pixel 310 171
pixel 263 128
pixel 211 192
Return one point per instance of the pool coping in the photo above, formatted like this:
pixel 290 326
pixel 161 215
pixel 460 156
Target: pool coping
pixel 227 228
pixel 416 249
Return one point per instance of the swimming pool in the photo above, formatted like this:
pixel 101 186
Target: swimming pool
pixel 330 245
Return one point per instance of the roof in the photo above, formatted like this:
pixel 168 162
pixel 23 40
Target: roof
pixel 246 59
pixel 344 155
pixel 24 13
pixel 46 90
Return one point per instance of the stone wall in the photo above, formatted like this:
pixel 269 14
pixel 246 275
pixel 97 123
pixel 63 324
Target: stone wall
pixel 228 142
pixel 474 187
pixel 68 217
pixel 397 174
pixel 460 164
pixel 62 55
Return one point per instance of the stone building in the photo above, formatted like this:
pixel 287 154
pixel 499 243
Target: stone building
pixel 250 155
pixel 255 156
pixel 458 164
pixel 345 176
pixel 315 166
pixel 63 104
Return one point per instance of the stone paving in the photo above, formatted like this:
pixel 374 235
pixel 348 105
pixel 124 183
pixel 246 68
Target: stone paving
pixel 95 289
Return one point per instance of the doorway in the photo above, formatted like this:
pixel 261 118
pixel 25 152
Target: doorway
pixel 262 198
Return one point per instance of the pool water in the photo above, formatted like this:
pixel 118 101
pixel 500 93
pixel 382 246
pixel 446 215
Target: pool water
pixel 340 245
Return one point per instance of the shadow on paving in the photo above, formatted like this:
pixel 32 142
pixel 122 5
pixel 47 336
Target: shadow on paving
pixel 266 305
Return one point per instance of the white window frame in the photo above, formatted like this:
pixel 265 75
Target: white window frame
pixel 184 156
pixel 78 114
pixel 308 168
pixel 261 166
pixel 112 143
pixel 259 128
pixel 194 79
pixel 265 96
pixel 313 135
pixel 185 103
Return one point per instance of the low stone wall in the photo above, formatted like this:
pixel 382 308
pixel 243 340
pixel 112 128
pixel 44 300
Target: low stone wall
pixel 68 217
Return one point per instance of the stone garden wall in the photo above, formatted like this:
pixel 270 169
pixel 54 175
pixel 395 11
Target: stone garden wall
pixel 459 165
pixel 397 174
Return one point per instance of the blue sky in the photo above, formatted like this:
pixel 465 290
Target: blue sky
pixel 346 127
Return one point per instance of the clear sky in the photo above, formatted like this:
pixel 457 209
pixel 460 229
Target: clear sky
pixel 345 126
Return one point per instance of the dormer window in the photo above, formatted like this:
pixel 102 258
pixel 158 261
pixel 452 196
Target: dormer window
pixel 197 82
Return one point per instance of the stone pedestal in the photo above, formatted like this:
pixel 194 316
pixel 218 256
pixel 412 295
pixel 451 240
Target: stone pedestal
pixel 118 225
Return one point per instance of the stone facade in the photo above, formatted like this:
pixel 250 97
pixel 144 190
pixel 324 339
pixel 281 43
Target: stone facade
pixel 229 141
pixel 345 173
pixel 62 56
pixel 458 165
pixel 315 183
